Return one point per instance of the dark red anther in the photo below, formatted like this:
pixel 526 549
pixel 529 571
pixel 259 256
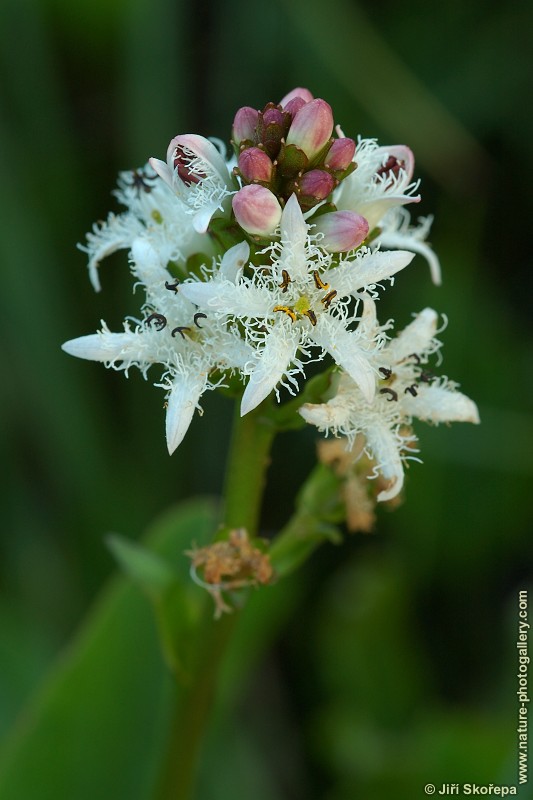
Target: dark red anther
pixel 391 167
pixel 182 162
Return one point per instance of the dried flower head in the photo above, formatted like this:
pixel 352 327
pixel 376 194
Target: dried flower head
pixel 228 565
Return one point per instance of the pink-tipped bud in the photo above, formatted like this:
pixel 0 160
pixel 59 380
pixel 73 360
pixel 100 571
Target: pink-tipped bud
pixel 305 94
pixel 317 183
pixel 273 116
pixel 255 165
pixel 244 124
pixel 294 105
pixel 343 230
pixel 340 154
pixel 312 127
pixel 257 210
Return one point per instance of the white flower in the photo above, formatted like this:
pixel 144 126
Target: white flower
pixel 153 212
pixel 196 171
pixel 382 180
pixel 407 390
pixel 173 334
pixel 298 301
pixel 378 189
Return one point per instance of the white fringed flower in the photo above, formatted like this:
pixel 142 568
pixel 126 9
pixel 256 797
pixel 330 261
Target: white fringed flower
pixel 382 180
pixel 197 172
pixel 378 189
pixel 406 390
pixel 153 212
pixel 299 301
pixel 172 334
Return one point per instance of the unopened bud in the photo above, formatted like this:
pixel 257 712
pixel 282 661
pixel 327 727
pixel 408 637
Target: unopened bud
pixel 305 94
pixel 294 105
pixel 244 124
pixel 273 116
pixel 257 210
pixel 255 165
pixel 340 154
pixel 312 127
pixel 317 184
pixel 343 230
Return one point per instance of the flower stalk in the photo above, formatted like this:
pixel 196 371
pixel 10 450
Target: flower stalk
pixel 247 464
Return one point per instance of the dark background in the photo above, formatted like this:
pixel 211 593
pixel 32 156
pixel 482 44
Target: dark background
pixel 397 662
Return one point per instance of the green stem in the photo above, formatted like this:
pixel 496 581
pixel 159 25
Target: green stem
pixel 191 713
pixel 246 467
pixel 247 464
pixel 319 508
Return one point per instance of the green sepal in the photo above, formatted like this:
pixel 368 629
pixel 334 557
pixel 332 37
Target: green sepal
pixel 194 264
pixel 319 159
pixel 341 174
pixel 374 233
pixel 325 208
pixel 291 160
pixel 225 232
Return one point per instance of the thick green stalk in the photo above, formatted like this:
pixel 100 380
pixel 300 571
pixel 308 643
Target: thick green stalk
pixel 248 461
pixel 319 509
pixel 246 467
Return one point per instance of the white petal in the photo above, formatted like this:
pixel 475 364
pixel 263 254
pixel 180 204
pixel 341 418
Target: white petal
pixel 383 444
pixel 374 210
pixel 233 261
pixel 343 346
pixel 415 338
pixel 413 243
pixel 332 415
pixel 202 218
pixel 275 358
pixel 366 270
pixel 161 168
pixel 293 239
pixel 203 149
pixel 103 346
pixel 181 404
pixel 147 264
pixel 224 297
pixel 438 404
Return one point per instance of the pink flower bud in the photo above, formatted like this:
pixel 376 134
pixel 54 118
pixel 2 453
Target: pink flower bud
pixel 343 230
pixel 244 124
pixel 294 105
pixel 317 183
pixel 312 127
pixel 257 209
pixel 273 116
pixel 305 94
pixel 255 165
pixel 340 154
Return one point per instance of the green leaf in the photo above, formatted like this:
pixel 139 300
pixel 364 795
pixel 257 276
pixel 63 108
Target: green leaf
pixel 150 571
pixel 98 724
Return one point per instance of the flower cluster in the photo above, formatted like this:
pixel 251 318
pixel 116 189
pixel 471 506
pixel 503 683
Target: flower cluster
pixel 255 265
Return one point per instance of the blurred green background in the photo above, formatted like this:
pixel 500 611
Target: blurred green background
pixel 390 661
